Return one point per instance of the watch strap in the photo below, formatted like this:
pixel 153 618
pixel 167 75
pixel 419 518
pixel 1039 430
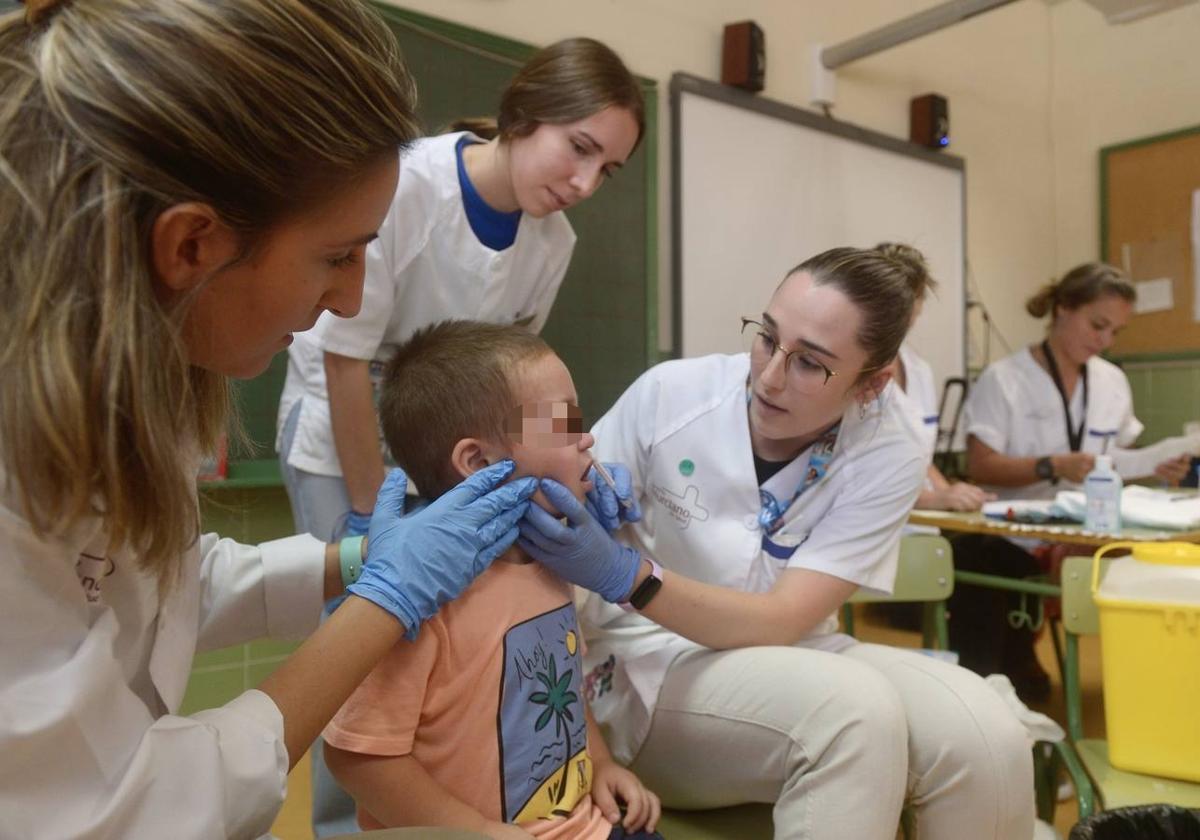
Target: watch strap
pixel 1044 468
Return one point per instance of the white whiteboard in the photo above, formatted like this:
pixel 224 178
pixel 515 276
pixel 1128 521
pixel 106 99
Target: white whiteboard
pixel 760 187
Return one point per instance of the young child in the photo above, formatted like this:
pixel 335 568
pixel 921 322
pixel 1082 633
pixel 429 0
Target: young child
pixel 481 723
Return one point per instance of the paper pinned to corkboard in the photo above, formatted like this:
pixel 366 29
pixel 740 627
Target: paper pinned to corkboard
pixel 1150 224
pixel 1162 272
pixel 1155 295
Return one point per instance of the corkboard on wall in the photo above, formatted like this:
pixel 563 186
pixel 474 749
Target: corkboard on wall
pixel 1146 227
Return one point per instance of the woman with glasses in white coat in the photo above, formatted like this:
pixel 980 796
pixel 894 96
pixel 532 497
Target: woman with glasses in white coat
pixel 774 484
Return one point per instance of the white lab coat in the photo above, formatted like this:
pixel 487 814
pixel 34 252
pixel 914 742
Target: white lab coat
pixel 1016 409
pixel 682 429
pixel 426 266
pixel 920 395
pixel 93 666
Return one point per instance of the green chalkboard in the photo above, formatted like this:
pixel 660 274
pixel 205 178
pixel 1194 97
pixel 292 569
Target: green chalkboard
pixel 604 321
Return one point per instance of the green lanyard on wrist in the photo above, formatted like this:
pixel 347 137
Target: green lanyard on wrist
pixel 350 555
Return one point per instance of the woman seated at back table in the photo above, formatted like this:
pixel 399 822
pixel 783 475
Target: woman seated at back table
pixel 1035 422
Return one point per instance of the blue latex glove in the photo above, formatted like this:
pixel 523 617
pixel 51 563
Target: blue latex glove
pixel 580 551
pixel 417 563
pixel 602 502
pixel 358 524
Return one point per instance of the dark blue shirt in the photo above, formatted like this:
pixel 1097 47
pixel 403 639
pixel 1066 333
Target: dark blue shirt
pixel 494 229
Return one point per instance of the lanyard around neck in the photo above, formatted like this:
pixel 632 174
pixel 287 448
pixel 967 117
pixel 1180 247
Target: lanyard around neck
pixel 770 516
pixel 1074 436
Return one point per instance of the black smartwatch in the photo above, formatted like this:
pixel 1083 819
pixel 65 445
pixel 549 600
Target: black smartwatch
pixel 1044 468
pixel 646 590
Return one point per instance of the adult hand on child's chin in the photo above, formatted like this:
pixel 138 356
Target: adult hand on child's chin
pixel 417 563
pixel 579 550
pixel 605 505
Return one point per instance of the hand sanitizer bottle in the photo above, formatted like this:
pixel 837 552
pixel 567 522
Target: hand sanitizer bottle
pixel 1102 487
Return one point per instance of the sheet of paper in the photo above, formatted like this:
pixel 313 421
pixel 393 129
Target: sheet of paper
pixel 1139 463
pixel 1155 295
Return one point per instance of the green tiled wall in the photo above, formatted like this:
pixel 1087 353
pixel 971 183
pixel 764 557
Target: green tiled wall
pixel 250 516
pixel 1166 395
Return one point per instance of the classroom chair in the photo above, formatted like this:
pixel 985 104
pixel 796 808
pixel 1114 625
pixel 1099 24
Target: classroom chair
pixel 924 573
pixel 1097 783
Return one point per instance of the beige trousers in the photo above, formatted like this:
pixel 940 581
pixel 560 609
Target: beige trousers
pixel 840 742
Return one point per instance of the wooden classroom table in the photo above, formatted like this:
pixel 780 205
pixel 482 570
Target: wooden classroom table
pixel 952 522
pixel 977 523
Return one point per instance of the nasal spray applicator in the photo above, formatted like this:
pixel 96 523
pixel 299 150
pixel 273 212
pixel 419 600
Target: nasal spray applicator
pixel 608 479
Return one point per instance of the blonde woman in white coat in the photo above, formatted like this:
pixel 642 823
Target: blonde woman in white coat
pixel 147 255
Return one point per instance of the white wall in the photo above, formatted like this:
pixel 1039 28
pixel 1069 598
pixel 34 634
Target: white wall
pixel 1111 84
pixel 1034 91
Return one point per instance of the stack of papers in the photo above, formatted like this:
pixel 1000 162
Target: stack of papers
pixel 1141 507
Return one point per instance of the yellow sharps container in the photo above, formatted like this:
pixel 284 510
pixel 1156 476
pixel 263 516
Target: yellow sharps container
pixel 1149 604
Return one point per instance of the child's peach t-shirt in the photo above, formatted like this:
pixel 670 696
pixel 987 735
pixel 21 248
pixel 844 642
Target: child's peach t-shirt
pixel 488 699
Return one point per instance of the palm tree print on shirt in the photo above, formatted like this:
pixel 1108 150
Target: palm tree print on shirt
pixel 545 770
pixel 558 700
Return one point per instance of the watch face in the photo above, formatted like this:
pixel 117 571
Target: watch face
pixel 645 592
pixel 1044 468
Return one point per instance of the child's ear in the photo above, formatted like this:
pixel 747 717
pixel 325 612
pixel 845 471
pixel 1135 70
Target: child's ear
pixel 470 455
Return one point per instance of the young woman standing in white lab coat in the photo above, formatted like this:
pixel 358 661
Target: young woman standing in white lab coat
pixel 476 230
pixel 147 253
pixel 773 485
pixel 1035 421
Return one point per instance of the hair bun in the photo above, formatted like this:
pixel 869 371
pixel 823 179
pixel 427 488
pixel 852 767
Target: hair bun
pixel 911 263
pixel 1041 303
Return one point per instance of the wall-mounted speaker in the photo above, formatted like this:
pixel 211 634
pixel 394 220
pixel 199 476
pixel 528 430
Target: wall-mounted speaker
pixel 929 121
pixel 744 56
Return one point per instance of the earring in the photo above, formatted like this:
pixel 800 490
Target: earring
pixel 862 411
